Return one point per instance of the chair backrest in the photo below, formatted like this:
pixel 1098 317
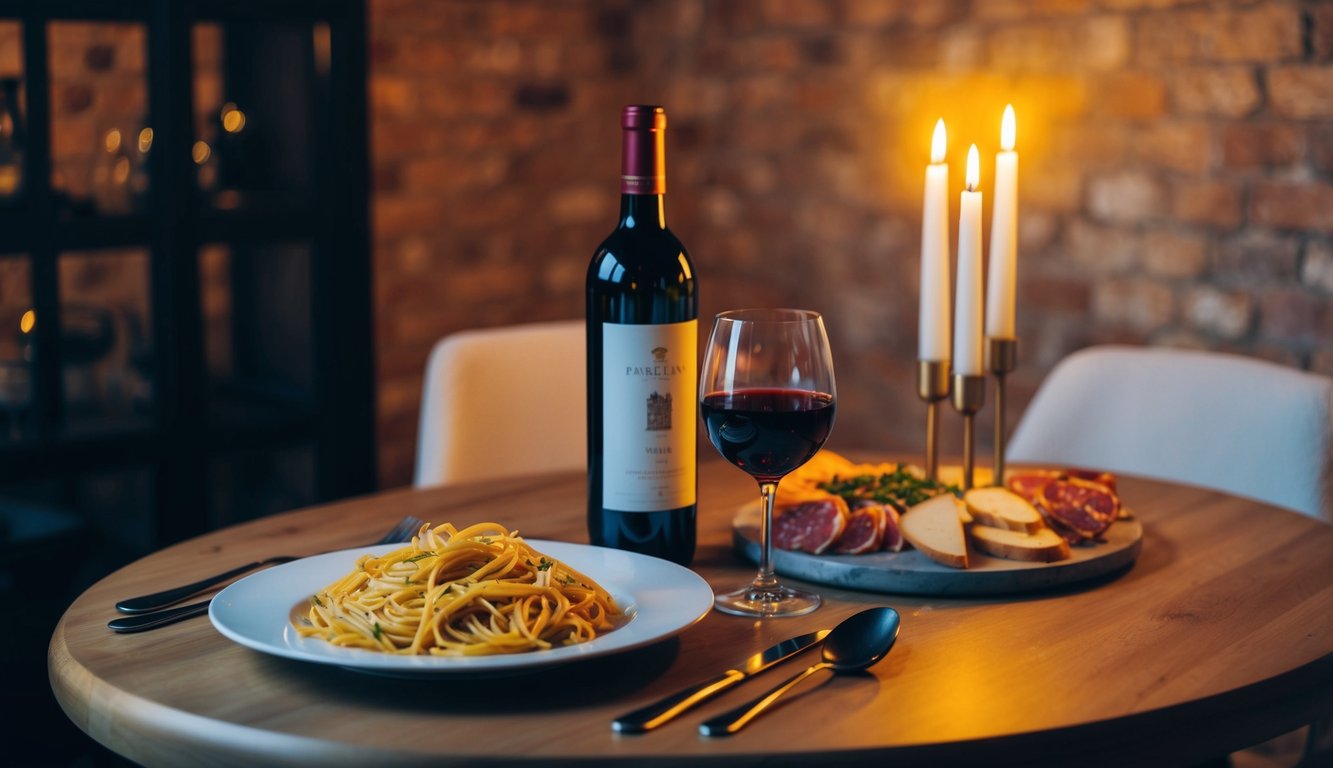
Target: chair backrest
pixel 503 401
pixel 1222 421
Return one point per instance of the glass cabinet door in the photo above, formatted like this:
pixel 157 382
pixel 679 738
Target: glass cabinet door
pixel 259 111
pixel 17 322
pixel 184 258
pixel 100 136
pixel 106 345
pixel 13 135
pixel 258 343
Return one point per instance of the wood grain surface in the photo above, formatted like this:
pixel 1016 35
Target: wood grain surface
pixel 1219 636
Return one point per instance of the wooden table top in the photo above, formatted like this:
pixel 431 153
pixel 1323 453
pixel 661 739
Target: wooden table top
pixel 1220 636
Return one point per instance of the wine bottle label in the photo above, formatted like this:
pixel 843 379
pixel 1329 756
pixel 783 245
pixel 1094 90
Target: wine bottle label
pixel 649 385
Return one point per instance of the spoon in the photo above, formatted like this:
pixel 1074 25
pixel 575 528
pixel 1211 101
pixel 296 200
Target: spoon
pixel 856 644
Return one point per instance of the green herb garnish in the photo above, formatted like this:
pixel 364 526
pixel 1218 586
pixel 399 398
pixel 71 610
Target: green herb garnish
pixel 314 600
pixel 900 488
pixel 377 630
pixel 421 556
pixel 545 565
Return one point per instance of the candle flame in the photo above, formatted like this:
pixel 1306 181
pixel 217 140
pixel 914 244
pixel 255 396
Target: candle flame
pixel 939 143
pixel 1007 129
pixel 973 169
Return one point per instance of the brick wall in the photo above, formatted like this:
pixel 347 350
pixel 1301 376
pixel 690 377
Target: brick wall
pixel 1176 177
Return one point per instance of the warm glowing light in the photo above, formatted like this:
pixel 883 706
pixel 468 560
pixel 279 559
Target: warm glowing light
pixel 1007 129
pixel 973 169
pixel 233 119
pixel 201 152
pixel 28 321
pixel 120 173
pixel 323 47
pixel 145 140
pixel 112 140
pixel 939 144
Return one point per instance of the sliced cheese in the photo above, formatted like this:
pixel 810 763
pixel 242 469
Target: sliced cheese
pixel 933 526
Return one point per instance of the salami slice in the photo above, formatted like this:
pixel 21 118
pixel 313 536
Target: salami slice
pixel 811 526
pixel 893 530
pixel 1029 484
pixel 1105 478
pixel 1078 507
pixel 864 531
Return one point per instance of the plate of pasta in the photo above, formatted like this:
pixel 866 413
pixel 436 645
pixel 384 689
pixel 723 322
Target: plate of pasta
pixel 477 601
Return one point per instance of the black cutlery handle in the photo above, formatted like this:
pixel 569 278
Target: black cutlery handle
pixel 657 713
pixel 127 624
pixel 157 600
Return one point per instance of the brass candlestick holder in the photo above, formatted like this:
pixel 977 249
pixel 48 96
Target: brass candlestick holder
pixel 932 385
pixel 1001 359
pixel 969 394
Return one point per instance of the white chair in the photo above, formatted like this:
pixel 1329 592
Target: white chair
pixel 1236 424
pixel 503 401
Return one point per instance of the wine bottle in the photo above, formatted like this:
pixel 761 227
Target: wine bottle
pixel 643 338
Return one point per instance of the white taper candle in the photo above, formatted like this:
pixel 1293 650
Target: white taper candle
pixel 1001 284
pixel 967 302
pixel 933 329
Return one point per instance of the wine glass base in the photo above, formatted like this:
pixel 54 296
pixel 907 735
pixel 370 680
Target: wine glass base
pixel 775 600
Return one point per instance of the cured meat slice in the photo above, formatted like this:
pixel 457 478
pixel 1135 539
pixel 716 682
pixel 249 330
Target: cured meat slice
pixel 1105 478
pixel 811 526
pixel 864 531
pixel 1029 484
pixel 893 530
pixel 1078 508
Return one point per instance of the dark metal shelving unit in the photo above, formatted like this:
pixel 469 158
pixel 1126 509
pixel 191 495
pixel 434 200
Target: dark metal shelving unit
pixel 192 420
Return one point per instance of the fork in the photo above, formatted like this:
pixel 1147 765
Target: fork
pixel 147 604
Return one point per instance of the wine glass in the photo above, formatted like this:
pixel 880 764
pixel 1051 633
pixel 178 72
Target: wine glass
pixel 767 398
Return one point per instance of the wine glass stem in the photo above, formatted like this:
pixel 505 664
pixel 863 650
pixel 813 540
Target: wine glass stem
pixel 765 577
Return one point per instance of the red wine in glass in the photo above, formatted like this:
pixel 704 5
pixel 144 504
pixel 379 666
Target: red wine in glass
pixel 767 399
pixel 768 432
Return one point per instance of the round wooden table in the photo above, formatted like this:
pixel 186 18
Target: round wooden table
pixel 1220 636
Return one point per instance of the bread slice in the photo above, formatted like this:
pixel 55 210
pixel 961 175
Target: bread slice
pixel 1002 508
pixel 1044 546
pixel 933 526
pixel 964 514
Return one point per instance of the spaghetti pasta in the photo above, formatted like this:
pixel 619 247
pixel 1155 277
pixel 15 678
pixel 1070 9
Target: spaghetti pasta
pixel 476 591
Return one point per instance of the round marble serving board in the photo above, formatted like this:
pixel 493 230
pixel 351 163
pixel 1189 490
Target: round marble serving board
pixel 910 572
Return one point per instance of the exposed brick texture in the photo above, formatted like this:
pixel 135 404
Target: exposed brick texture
pixel 1176 172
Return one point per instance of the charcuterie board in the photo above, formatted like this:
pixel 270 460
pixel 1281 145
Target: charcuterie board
pixel 911 573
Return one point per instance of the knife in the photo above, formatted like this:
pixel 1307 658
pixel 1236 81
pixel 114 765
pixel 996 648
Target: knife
pixel 658 713
pixel 144 621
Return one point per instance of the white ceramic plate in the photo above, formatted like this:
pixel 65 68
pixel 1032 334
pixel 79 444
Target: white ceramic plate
pixel 659 597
